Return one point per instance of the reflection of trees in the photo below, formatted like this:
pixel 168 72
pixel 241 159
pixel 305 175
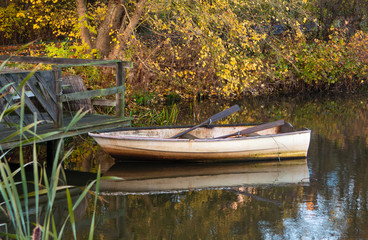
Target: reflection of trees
pixel 205 214
pixel 338 159
pixel 338 154
pixel 334 118
pixel 339 178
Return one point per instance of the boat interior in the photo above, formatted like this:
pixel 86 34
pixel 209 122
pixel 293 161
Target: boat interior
pixel 212 131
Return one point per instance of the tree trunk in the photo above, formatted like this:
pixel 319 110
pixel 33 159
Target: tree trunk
pixel 83 22
pixel 111 22
pixel 125 33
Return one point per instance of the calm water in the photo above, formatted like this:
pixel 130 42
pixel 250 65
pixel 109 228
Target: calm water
pixel 331 204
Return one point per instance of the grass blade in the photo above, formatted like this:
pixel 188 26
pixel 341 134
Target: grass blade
pixel 92 228
pixel 71 213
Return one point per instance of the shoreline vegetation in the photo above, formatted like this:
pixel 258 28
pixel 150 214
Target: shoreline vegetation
pixel 31 194
pixel 185 50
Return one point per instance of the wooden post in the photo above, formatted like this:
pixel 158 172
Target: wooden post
pixel 120 97
pixel 59 92
pixel 51 150
pixel 52 145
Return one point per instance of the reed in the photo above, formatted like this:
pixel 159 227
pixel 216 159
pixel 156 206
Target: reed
pixel 21 194
pixel 152 117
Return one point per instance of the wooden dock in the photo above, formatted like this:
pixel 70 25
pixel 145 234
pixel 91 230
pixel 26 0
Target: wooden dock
pixel 44 98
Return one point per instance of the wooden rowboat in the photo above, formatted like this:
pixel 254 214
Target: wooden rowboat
pixel 168 177
pixel 206 144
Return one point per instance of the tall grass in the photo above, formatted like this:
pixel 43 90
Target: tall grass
pixel 21 195
pixel 152 117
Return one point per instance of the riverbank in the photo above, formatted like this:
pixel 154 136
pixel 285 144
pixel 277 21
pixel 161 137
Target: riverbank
pixel 306 68
pixel 206 49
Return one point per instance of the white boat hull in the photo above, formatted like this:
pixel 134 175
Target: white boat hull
pixel 155 144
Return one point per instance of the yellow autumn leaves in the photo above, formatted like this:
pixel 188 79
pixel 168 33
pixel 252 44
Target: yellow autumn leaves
pixel 211 39
pixel 212 47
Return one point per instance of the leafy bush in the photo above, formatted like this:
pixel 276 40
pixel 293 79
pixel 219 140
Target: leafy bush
pixel 204 49
pixel 336 65
pixel 12 26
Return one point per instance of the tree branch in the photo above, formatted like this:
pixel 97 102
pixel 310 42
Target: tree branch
pixel 83 22
pixel 122 38
pixel 111 22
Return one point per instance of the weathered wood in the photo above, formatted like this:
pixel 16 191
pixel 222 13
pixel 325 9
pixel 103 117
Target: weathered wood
pixel 40 98
pixel 28 93
pixel 104 102
pixel 255 129
pixel 120 75
pixel 11 70
pixel 156 144
pixel 77 85
pixel 8 101
pixel 58 93
pixel 7 119
pixel 41 88
pixel 16 79
pixel 47 89
pixel 51 151
pixel 66 86
pixel 211 119
pixel 46 78
pixel 87 124
pixel 39 84
pixel 91 93
pixel 68 62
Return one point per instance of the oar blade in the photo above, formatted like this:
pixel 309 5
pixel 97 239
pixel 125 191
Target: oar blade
pixel 255 129
pixel 224 113
pixel 212 119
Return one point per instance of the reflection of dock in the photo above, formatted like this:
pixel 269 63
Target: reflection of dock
pixel 143 178
pixel 37 210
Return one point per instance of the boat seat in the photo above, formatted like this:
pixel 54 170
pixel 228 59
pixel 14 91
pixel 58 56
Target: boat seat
pixel 188 136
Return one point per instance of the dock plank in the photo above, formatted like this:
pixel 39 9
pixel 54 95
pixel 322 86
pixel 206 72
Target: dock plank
pixel 88 123
pixel 8 101
pixel 46 105
pixel 47 87
pixel 16 79
pixel 73 61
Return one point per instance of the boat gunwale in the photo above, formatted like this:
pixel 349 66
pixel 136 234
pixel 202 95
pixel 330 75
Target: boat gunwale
pixel 122 129
pixel 106 135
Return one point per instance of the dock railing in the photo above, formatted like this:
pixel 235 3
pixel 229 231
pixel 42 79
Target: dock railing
pixel 119 90
pixel 47 88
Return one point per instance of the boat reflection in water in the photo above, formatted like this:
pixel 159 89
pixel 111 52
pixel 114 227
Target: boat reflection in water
pixel 143 178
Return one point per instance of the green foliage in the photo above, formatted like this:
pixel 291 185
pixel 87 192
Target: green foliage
pixel 143 99
pixel 83 151
pixel 318 66
pixel 332 13
pixel 153 117
pixel 230 48
pixel 29 19
pixel 12 26
pixel 206 47
pixel 66 49
pixel 217 49
pixel 22 196
pixel 172 97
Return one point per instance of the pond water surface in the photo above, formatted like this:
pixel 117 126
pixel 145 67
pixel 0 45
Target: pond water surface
pixel 321 197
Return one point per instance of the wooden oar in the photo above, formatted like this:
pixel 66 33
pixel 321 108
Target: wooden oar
pixel 255 129
pixel 212 119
